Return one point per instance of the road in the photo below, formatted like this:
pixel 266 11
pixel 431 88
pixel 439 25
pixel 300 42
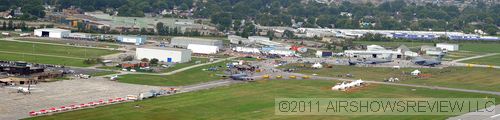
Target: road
pixel 474 57
pixel 175 71
pixel 475 116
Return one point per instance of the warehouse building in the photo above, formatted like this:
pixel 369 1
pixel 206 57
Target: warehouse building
pixel 52 32
pixel 239 40
pixel 447 46
pixel 373 51
pixel 137 40
pixel 247 50
pixel 282 52
pixel 263 40
pixel 183 42
pixel 203 49
pixel 84 36
pixel 171 55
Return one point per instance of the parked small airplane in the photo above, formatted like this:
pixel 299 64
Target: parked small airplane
pixel 240 76
pixel 427 62
pixel 344 85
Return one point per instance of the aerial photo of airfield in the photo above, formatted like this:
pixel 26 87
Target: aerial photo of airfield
pixel 168 59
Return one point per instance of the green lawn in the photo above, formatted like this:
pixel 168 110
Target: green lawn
pixel 481 47
pixel 183 65
pixel 95 44
pixel 254 101
pixel 490 60
pixel 454 77
pixel 53 49
pixel 103 73
pixel 460 54
pixel 56 54
pixel 188 77
pixel 43 59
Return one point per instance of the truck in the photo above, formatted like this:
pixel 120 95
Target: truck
pixel 324 54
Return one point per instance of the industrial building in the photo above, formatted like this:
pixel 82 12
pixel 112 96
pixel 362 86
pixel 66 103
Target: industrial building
pixel 137 40
pixel 247 50
pixel 183 42
pixel 85 36
pixel 373 51
pixel 259 38
pixel 52 32
pixel 263 40
pixel 203 49
pixel 447 46
pixel 171 55
pixel 239 40
pixel 282 52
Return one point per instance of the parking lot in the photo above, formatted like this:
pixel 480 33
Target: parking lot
pixel 62 93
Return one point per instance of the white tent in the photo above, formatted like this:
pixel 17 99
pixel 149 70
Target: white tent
pixel 317 65
pixel 203 49
pixel 415 72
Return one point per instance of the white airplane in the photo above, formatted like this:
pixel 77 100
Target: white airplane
pixel 113 77
pixel 357 83
pixel 344 85
pixel 340 86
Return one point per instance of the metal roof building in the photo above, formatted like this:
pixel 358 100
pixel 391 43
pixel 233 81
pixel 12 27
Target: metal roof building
pixel 52 32
pixel 164 54
pixel 183 42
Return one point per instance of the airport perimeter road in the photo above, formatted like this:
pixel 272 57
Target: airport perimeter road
pixel 475 65
pixel 198 65
pixel 475 116
pixel 207 85
pixel 474 57
pixel 175 71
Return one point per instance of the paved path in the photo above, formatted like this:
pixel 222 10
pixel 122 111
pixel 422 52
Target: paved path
pixel 475 65
pixel 175 71
pixel 21 53
pixel 474 57
pixel 475 116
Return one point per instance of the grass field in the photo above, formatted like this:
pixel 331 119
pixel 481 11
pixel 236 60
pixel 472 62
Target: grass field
pixel 188 77
pixel 490 60
pixel 48 54
pixel 254 101
pixel 460 54
pixel 183 65
pixel 103 73
pixel 65 42
pixel 454 77
pixel 43 59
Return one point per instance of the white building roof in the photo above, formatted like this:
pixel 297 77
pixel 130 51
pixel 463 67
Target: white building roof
pixel 446 44
pixel 165 48
pixel 52 30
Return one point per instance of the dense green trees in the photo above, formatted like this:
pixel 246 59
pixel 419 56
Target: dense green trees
pixel 31 8
pixel 389 15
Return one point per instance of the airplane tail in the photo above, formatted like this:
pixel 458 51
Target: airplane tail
pixel 440 57
pixel 389 58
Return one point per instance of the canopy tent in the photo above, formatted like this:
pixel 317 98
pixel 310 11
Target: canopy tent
pixel 416 72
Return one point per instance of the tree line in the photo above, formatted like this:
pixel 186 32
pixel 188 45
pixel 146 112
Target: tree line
pixel 393 15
